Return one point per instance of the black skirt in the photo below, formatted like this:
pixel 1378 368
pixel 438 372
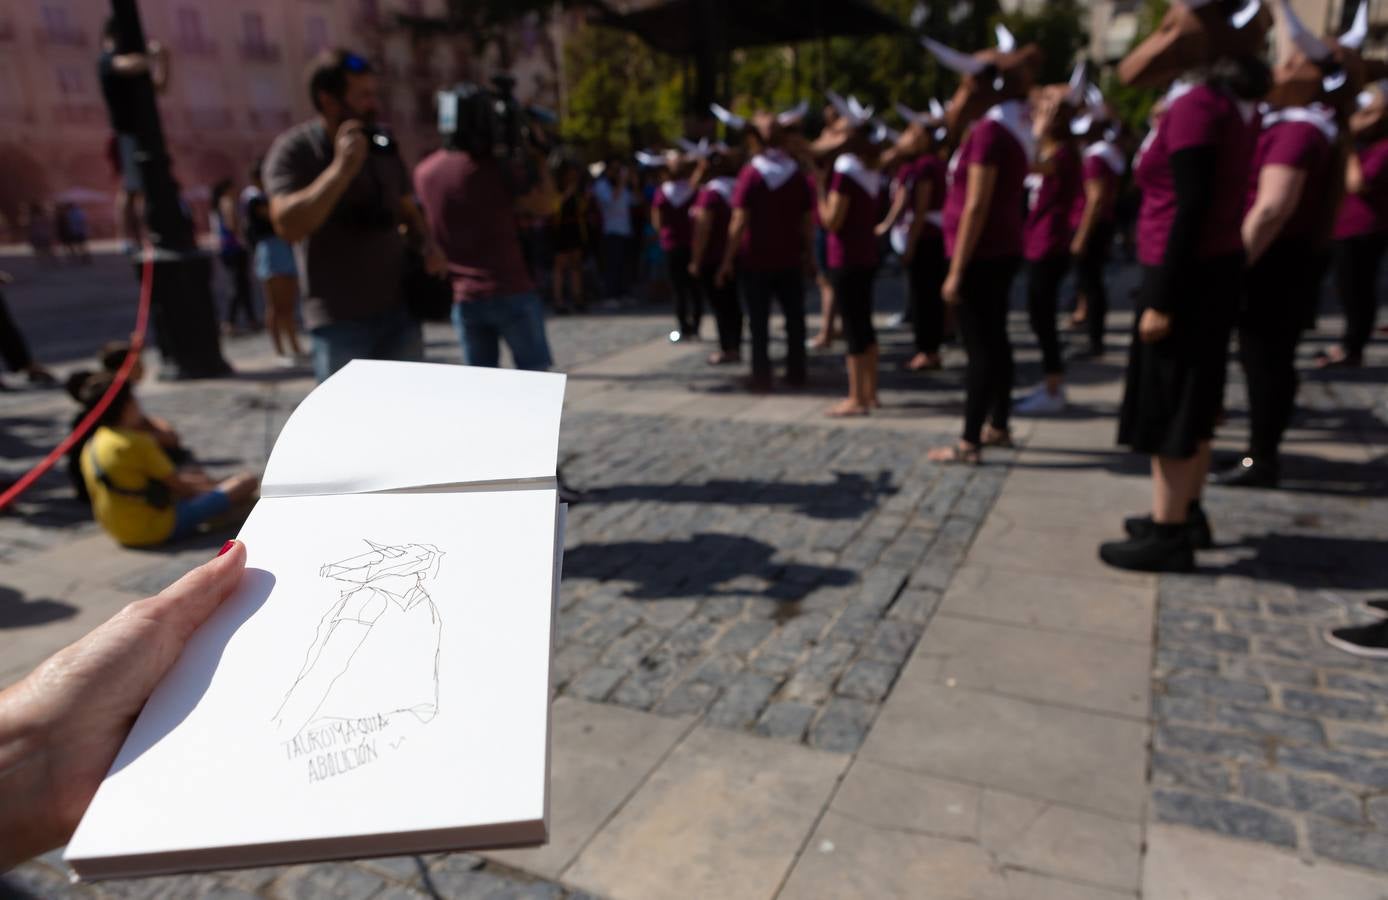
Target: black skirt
pixel 1175 387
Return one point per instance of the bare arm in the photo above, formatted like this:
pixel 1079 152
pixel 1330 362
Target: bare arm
pixel 736 228
pixel 703 230
pixel 655 217
pixel 894 213
pixel 1279 192
pixel 833 209
pixel 1354 174
pixel 298 214
pixel 1095 196
pixel 543 198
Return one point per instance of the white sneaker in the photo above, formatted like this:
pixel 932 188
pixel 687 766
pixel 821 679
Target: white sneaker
pixel 1041 402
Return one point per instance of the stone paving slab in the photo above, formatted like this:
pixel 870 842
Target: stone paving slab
pixel 723 816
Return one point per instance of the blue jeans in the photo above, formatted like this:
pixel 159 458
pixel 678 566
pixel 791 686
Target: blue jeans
pixel 393 334
pixel 518 319
pixel 190 513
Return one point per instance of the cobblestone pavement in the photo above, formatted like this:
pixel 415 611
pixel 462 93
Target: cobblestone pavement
pixel 772 577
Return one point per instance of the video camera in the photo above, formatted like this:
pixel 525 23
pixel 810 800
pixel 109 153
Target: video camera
pixel 489 123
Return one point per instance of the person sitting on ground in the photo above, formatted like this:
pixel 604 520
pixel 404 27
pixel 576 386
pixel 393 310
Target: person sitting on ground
pixel 138 497
pixel 112 356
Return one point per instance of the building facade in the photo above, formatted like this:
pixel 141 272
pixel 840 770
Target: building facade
pixel 237 80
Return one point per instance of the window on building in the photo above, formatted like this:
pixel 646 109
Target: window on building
pixel 190 26
pixel 315 34
pixel 253 29
pixel 70 81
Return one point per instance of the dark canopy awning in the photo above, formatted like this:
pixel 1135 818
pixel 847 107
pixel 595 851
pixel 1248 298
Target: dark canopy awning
pixel 681 26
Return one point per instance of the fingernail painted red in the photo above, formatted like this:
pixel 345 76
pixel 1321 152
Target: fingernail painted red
pixel 225 547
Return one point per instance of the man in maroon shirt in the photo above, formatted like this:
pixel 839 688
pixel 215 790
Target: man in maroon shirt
pixel 470 201
pixel 769 241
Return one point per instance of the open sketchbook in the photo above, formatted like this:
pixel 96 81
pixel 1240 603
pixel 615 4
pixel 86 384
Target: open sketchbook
pixel 379 683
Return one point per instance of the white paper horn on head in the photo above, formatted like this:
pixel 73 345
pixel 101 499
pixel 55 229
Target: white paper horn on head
pixel 911 116
pixel 1078 79
pixel 727 117
pixel 794 114
pixel 882 133
pixel 952 59
pixel 1244 14
pixel 650 160
pixel 853 112
pixel 1006 42
pixel 1358 29
pixel 700 150
pixel 1081 124
pixel 937 109
pixel 1301 36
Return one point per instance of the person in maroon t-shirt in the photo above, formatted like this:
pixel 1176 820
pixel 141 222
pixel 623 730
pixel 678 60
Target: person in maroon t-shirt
pixel 1194 176
pixel 769 241
pixel 1055 182
pixel 913 223
pixel 1093 217
pixel 983 228
pixel 710 217
pixel 1292 196
pixel 670 208
pixel 849 202
pixel 1361 230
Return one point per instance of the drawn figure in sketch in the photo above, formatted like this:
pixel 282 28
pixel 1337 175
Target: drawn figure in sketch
pixel 376 651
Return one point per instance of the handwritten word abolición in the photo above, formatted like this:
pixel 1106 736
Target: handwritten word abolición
pixel 337 746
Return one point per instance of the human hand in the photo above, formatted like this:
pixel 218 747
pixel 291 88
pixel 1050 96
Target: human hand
pixel 949 291
pixel 694 268
pixel 435 263
pixel 349 150
pixel 62 725
pixel 1077 247
pixel 1153 326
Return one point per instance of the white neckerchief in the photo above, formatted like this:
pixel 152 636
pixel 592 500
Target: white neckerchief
pixel 1319 115
pixel 1013 115
pixel 849 164
pixel 723 187
pixel 677 192
pixel 1109 153
pixel 774 167
pixel 1032 184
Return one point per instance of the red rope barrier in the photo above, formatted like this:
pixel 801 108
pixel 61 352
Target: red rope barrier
pixel 122 374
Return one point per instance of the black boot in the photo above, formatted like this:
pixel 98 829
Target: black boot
pixel 1201 537
pixel 1166 548
pixel 1250 471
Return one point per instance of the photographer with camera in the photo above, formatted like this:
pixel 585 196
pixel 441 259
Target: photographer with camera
pixel 339 193
pixel 491 168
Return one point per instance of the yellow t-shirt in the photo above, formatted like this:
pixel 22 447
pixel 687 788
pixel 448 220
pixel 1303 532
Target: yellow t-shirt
pixel 130 459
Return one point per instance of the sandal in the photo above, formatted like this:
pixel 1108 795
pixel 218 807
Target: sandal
pixel 996 437
pixel 955 454
pixel 931 363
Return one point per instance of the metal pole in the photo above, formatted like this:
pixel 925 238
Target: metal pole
pixel 183 310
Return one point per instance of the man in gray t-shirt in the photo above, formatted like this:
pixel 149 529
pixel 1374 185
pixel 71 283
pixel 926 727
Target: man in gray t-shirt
pixel 340 201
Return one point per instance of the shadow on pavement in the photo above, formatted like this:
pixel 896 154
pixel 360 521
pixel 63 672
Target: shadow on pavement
pixel 1311 561
pixel 17 611
pixel 849 496
pixel 695 567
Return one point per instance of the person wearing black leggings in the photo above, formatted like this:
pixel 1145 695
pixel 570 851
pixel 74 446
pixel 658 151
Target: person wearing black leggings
pixel 1055 182
pixel 849 201
pixel 709 218
pixel 1361 233
pixel 1092 218
pixel 982 226
pixel 670 218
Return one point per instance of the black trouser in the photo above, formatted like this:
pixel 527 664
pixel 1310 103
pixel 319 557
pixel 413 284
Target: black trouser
pixel 727 312
pixel 13 347
pixel 924 278
pixel 1043 296
pixel 1356 280
pixel 983 327
pixel 689 306
pixel 1089 281
pixel 1282 286
pixel 853 292
pixel 788 289
pixel 237 263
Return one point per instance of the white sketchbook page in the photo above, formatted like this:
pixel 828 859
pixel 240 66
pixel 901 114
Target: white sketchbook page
pixel 207 764
pixel 376 426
